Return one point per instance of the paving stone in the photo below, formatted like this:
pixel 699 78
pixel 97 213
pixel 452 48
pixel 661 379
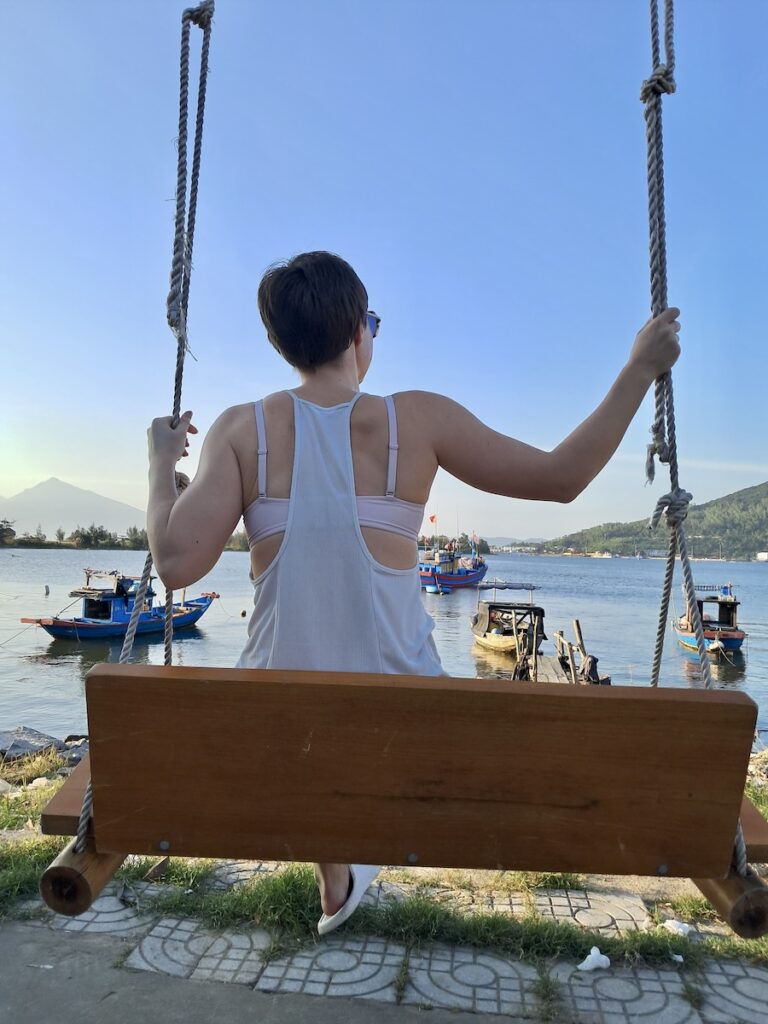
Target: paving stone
pixel 109 915
pixel 360 968
pixel 184 949
pixel 609 913
pixel 229 873
pixel 457 978
pixel 734 991
pixel 619 995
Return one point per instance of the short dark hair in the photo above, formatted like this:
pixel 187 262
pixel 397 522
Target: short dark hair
pixel 311 306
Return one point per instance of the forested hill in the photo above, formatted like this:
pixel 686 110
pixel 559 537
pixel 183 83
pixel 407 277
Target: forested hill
pixel 735 525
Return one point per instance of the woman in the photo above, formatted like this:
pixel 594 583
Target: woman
pixel 325 473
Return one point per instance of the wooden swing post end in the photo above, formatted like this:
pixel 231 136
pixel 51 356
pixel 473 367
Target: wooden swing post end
pixel 72 882
pixel 741 901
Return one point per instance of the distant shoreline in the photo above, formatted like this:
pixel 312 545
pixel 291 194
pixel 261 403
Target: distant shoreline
pixel 55 545
pixel 40 545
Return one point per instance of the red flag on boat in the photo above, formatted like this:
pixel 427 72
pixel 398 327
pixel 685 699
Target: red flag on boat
pixel 433 519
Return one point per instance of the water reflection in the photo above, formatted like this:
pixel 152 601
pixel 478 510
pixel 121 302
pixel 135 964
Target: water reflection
pixel 84 654
pixel 492 665
pixel 725 670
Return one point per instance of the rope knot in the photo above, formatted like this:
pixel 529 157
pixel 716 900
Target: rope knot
pixel 202 15
pixel 675 504
pixel 662 80
pixel 658 446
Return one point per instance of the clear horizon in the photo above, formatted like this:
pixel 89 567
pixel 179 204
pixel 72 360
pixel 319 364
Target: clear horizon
pixel 486 183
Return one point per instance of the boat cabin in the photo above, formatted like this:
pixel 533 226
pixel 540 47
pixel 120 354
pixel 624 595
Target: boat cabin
pixel 717 606
pixel 113 602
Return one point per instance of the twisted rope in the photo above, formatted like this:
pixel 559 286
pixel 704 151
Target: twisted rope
pixel 176 309
pixel 673 505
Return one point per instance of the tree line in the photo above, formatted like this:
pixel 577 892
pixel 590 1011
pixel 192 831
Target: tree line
pixel 93 536
pixel 135 539
pixel 732 527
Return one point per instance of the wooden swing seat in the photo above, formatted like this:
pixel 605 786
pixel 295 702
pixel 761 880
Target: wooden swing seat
pixel 446 772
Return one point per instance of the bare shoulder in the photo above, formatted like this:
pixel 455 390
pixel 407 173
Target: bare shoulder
pixel 429 412
pixel 232 418
pixel 239 418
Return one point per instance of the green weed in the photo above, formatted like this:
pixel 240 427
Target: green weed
pixel 24 769
pixel 26 806
pixel 21 865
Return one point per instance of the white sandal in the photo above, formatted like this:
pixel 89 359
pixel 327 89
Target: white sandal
pixel 362 876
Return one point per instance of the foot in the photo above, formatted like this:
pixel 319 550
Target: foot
pixel 361 876
pixel 335 884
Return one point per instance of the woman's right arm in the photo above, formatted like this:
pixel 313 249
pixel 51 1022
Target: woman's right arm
pixel 493 462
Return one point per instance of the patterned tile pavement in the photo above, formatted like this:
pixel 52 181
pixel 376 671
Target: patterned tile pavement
pixel 624 995
pixel 734 991
pixel 442 976
pixel 184 949
pixel 468 979
pixel 609 913
pixel 118 911
pixel 363 968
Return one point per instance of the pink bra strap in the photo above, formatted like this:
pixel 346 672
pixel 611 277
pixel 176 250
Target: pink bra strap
pixel 392 463
pixel 262 431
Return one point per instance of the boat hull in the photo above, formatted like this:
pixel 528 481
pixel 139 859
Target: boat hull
pixel 500 644
pixel 452 580
pixel 149 622
pixel 715 641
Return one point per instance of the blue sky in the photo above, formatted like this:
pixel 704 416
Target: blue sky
pixel 481 165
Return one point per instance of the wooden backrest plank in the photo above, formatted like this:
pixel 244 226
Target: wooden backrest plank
pixel 392 769
pixel 61 814
pixel 755 833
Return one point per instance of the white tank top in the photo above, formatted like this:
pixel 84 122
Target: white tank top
pixel 324 602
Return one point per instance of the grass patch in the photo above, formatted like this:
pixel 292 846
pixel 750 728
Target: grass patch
pixel 401 979
pixel 21 865
pixel 183 873
pixel 692 994
pixel 418 921
pixel 759 796
pixel 754 950
pixel 690 907
pixel 500 881
pixel 286 902
pixel 23 770
pixel 549 994
pixel 26 806
pixel 522 881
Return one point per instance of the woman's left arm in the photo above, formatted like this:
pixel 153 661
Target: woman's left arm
pixel 187 532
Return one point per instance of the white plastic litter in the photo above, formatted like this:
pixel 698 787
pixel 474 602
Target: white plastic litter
pixel 677 958
pixel 677 927
pixel 595 961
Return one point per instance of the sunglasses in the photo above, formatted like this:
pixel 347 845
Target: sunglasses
pixel 374 322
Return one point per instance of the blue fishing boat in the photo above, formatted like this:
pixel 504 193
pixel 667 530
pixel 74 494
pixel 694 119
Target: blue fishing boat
pixel 722 635
pixel 106 610
pixel 446 570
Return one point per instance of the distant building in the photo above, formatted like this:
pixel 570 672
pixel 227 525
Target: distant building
pixel 762 556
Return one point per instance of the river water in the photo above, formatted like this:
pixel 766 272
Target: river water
pixel 616 601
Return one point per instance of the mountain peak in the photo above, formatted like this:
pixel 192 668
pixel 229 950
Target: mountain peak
pixel 54 503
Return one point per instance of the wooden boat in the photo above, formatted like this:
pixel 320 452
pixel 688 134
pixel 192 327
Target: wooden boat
pixel 509 628
pixel 447 570
pixel 722 635
pixel 106 611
